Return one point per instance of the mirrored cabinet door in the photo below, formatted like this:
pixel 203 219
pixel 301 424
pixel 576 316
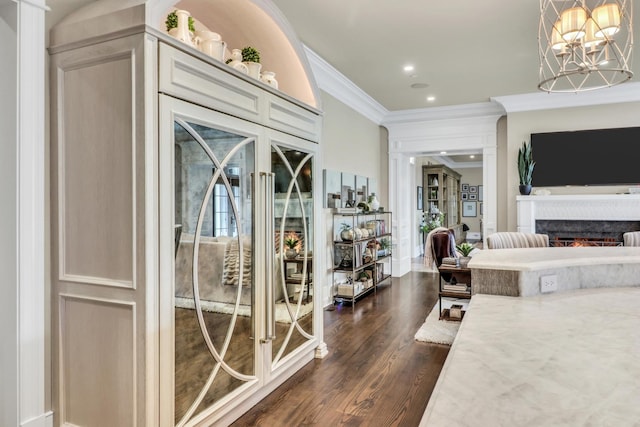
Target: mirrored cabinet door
pixel 236 262
pixel 213 291
pixel 293 175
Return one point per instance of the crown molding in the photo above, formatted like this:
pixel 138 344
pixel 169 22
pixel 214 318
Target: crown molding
pixel 625 92
pixel 40 4
pixel 340 87
pixel 452 112
pixel 447 161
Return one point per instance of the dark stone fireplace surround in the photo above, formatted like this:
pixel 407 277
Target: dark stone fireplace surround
pixel 594 230
pixel 579 217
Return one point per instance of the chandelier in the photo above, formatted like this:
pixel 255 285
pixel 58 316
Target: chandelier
pixel 584 44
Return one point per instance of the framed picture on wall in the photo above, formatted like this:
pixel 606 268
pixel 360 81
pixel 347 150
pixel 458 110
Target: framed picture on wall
pixel 348 194
pixel 464 188
pixel 362 193
pixel 419 201
pixel 480 189
pixel 481 209
pixel 469 209
pixel 332 189
pixel 473 196
pixel 464 196
pixel 473 189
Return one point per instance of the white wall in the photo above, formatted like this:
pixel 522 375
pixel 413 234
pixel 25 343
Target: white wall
pixel 350 143
pixel 520 126
pixel 8 219
pixel 473 177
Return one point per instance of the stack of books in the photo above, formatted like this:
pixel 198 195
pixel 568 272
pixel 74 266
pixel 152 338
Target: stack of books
pixel 454 287
pixel 296 276
pixel 449 261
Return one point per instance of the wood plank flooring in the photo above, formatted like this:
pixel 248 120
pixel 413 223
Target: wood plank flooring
pixel 375 374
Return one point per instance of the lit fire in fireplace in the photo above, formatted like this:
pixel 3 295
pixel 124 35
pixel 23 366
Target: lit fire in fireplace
pixel 585 241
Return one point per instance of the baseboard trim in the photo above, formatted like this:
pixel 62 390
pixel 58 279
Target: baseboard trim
pixel 44 420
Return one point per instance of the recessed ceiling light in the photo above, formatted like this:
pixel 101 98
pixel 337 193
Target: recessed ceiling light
pixel 472 156
pixel 408 68
pixel 431 98
pixel 443 152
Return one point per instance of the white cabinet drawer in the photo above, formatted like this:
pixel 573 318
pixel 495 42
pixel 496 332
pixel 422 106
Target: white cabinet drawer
pixel 189 78
pixel 290 118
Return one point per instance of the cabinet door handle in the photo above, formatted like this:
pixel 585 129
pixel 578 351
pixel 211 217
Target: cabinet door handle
pixel 270 303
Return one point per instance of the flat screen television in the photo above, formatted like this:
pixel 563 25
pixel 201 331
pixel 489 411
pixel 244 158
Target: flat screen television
pixel 586 157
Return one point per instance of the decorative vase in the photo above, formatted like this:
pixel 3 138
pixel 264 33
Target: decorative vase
pixel 236 61
pixel 269 77
pixel 254 69
pixel 347 234
pixel 210 43
pixel 291 253
pixel 464 261
pixel 374 204
pixel 357 233
pixel 525 190
pixel 182 32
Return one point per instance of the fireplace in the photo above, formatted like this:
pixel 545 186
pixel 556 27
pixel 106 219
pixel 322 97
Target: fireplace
pixel 580 220
pixel 585 232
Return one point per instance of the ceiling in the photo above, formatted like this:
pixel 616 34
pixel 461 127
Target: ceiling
pixel 465 51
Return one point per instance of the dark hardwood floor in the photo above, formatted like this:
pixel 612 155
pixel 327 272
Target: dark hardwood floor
pixel 375 374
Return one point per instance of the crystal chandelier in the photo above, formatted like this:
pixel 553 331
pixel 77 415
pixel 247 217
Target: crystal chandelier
pixel 584 44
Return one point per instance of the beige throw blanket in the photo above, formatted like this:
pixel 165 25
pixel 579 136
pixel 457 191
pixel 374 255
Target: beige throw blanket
pixel 429 259
pixel 232 261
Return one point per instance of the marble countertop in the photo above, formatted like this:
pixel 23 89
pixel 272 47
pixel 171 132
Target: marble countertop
pixel 567 359
pixel 528 259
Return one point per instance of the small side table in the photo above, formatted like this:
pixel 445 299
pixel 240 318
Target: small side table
pixel 299 261
pixel 459 276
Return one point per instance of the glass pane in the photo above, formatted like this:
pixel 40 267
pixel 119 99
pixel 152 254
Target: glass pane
pixel 214 348
pixel 293 221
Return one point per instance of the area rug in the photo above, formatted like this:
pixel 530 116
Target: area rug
pixel 282 313
pixel 438 331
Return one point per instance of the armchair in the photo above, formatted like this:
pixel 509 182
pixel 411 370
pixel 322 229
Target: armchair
pixel 516 239
pixel 631 238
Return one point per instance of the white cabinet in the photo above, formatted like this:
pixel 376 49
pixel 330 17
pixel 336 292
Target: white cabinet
pixel 175 183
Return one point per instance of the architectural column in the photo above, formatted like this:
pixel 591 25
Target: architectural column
pixel 400 202
pixel 23 312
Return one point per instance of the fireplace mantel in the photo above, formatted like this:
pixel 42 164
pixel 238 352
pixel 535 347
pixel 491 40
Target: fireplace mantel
pixel 603 207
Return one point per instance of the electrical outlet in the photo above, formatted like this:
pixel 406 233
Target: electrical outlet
pixel 548 283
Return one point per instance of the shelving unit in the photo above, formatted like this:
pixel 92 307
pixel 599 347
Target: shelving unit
pixel 442 186
pixel 460 278
pixel 362 263
pixel 294 278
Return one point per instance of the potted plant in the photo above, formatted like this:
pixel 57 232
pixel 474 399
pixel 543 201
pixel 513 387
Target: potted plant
pixel 251 58
pixel 465 249
pixel 525 168
pixel 291 243
pixel 434 220
pixel 385 246
pixel 430 221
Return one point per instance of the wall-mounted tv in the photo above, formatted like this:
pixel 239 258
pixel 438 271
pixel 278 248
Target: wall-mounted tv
pixel 586 157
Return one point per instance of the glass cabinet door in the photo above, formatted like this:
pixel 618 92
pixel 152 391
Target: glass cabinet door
pixel 214 352
pixel 236 261
pixel 293 175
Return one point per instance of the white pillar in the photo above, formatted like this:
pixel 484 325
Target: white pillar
pixel 22 232
pixel 400 201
